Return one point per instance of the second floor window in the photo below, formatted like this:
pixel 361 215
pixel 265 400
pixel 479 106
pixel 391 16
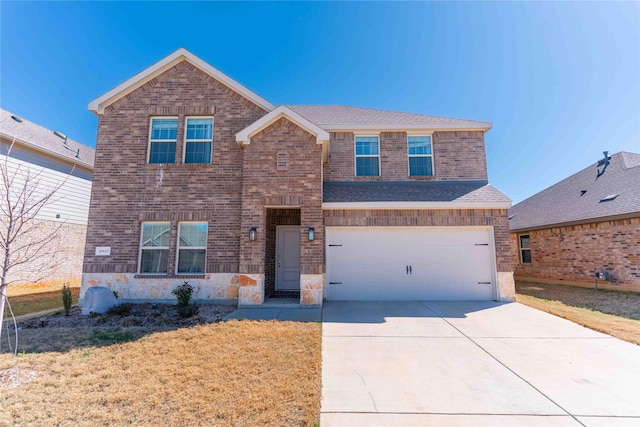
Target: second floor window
pixel 367 156
pixel 162 140
pixel 420 156
pixel 198 139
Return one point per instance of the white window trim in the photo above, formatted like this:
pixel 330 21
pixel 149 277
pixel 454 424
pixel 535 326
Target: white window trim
pixel 520 249
pixel 433 171
pixel 151 119
pixel 140 248
pixel 355 155
pixel 184 142
pixel 191 248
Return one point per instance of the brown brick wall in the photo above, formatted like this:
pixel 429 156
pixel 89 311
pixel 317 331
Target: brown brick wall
pixel 572 253
pixel 300 185
pixel 127 190
pixel 432 218
pixel 457 156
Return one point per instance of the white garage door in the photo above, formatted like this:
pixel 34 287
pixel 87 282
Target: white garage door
pixel 410 263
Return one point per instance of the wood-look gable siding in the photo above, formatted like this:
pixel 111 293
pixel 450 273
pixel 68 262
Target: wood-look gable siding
pixel 71 202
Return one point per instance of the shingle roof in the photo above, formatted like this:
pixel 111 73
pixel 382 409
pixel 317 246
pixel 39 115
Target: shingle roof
pixel 413 191
pixel 339 115
pixel 565 201
pixel 44 138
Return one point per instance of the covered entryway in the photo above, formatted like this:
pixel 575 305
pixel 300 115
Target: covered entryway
pixel 282 253
pixel 410 263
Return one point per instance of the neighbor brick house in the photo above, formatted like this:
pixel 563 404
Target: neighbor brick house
pixel 586 224
pixel 199 179
pixel 49 159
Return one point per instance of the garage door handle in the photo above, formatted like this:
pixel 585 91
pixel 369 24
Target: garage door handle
pixel 410 270
pixel 335 283
pixel 482 244
pixel 407 269
pixel 484 283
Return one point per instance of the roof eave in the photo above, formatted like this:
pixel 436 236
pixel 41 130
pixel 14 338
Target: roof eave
pixel 475 126
pixel 52 153
pixel 98 105
pixel 417 205
pixel 576 222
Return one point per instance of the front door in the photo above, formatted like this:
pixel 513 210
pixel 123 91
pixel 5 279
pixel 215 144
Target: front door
pixel 288 258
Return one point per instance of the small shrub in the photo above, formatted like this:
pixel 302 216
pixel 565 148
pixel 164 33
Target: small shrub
pixel 183 293
pixel 66 299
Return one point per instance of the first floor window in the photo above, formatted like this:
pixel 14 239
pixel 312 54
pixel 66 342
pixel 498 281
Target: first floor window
pixel 198 139
pixel 367 156
pixel 192 247
pixel 420 156
pixel 162 140
pixel 154 247
pixel 525 249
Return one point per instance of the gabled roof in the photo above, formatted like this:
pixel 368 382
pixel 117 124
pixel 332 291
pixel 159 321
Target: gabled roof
pixel 412 194
pixel 44 140
pixel 99 104
pixel 582 197
pixel 340 117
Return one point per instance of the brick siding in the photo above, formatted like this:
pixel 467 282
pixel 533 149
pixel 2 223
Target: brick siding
pixel 572 253
pixel 457 156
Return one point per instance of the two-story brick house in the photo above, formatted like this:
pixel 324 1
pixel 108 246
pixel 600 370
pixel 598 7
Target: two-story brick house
pixel 198 178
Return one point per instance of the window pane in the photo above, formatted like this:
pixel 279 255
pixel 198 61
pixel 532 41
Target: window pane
pixel 199 128
pixel 162 152
pixel 155 234
pixel 366 145
pixel 525 242
pixel 526 256
pixel 191 260
pixel 193 234
pixel 154 261
pixel 420 166
pixel 198 152
pixel 164 128
pixel 420 145
pixel 367 166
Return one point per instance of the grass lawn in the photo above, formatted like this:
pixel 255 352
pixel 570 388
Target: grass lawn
pixel 32 303
pixel 614 313
pixel 229 373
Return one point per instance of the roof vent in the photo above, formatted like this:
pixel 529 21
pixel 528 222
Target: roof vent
pixel 609 198
pixel 603 163
pixel 17 119
pixel 511 216
pixel 582 192
pixel 60 135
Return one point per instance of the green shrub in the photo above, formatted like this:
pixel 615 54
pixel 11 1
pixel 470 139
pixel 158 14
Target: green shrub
pixel 183 293
pixel 66 299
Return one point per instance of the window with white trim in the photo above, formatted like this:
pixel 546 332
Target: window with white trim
pixel 192 247
pixel 525 248
pixel 420 155
pixel 162 140
pixel 198 140
pixel 367 156
pixel 154 247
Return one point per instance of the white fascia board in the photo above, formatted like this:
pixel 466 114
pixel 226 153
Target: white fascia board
pixel 415 205
pixel 74 160
pixel 98 105
pixel 244 136
pixel 474 126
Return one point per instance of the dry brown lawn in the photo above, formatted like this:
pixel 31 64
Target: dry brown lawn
pixel 614 313
pixel 41 301
pixel 230 373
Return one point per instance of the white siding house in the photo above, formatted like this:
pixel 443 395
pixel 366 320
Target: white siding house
pixel 53 160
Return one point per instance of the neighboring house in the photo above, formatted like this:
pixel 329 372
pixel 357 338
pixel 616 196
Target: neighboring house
pixel 199 179
pixel 50 158
pixel 588 223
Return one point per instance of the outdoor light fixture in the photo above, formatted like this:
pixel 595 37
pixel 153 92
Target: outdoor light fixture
pixel 252 233
pixel 312 233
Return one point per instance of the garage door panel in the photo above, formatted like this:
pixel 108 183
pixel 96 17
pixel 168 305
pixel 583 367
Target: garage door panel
pixel 370 263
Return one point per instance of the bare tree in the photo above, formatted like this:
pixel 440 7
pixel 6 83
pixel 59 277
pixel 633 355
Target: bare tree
pixel 25 240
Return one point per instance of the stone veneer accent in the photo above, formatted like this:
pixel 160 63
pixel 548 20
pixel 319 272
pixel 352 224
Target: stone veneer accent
pixel 220 288
pixel 251 289
pixel 311 289
pixel 570 254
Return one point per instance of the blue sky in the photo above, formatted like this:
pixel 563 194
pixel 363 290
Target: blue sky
pixel 559 80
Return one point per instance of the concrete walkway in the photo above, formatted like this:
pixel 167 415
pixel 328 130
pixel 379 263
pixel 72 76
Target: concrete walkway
pixel 472 364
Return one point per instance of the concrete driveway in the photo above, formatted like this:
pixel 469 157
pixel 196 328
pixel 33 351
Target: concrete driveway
pixel 472 364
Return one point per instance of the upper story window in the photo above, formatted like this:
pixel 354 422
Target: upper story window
pixel 420 156
pixel 525 248
pixel 367 156
pixel 192 247
pixel 154 247
pixel 198 140
pixel 162 140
